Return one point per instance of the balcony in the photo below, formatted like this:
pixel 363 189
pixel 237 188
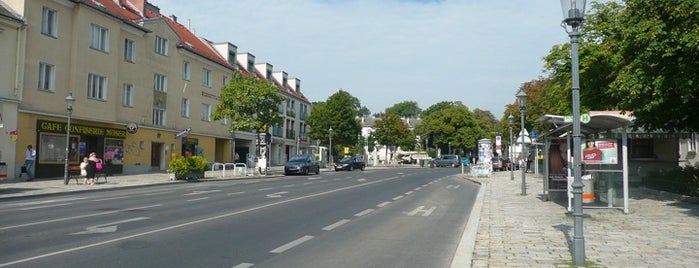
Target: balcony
pixel 278 132
pixel 290 134
pixel 304 115
pixel 291 112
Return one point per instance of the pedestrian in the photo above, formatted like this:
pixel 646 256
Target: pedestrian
pixel 108 158
pixel 91 168
pixel 83 170
pixel 29 158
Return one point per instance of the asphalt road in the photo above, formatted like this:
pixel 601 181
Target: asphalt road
pixel 377 218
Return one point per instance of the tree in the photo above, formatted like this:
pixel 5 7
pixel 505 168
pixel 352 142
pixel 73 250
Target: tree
pixel 405 109
pixel 453 123
pixel 390 130
pixel 438 106
pixel 339 111
pixel 249 104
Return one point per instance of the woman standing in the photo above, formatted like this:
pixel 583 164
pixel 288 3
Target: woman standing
pixel 91 168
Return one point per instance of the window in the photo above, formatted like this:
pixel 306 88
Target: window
pixel 186 71
pixel 185 107
pixel 127 95
pixel 205 112
pixel 224 121
pixel 49 20
pixel 158 117
pixel 161 45
pixel 225 80
pixel 160 83
pixel 642 148
pixel 692 142
pixel 47 76
pixel 206 77
pixel 96 87
pixel 99 38
pixel 128 50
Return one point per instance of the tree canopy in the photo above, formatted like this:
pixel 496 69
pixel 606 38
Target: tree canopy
pixel 392 131
pixel 338 112
pixel 405 109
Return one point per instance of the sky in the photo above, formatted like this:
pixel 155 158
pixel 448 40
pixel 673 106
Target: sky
pixel 384 52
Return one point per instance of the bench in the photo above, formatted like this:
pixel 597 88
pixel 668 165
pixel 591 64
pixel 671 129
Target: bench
pixel 74 173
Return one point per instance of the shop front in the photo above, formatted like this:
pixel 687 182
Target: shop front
pixel 107 143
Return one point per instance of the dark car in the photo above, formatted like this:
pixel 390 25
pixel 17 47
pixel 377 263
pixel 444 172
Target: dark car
pixel 302 164
pixel 498 164
pixel 350 163
pixel 447 160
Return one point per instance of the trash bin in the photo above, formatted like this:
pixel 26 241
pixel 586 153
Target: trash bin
pixel 588 195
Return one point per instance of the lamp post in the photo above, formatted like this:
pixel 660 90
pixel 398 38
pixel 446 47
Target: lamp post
pixel 449 147
pixel 330 149
pixel 573 16
pixel 522 99
pixel 512 149
pixel 69 107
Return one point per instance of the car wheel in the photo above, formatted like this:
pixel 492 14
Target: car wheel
pixel 351 168
pixel 362 168
pixel 317 170
pixel 305 171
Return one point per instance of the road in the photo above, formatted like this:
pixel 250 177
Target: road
pixel 375 218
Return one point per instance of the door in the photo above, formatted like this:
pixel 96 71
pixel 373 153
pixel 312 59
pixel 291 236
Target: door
pixel 156 155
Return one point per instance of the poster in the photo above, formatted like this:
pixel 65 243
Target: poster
pixel 600 152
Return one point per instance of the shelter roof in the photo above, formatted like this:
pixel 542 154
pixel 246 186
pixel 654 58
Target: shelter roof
pixel 599 121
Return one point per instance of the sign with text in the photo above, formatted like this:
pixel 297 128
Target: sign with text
pixel 600 152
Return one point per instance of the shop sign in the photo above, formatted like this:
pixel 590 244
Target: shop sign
pixel 58 127
pixel 131 128
pixel 184 133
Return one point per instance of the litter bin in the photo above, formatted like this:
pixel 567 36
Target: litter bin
pixel 588 195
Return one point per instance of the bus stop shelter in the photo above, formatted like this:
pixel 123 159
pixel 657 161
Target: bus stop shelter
pixel 605 158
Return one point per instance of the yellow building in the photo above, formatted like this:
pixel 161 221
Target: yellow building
pixel 12 34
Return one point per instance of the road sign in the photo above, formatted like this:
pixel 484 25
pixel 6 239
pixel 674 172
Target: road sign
pixel 584 118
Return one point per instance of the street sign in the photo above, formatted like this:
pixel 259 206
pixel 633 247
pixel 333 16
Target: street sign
pixel 584 118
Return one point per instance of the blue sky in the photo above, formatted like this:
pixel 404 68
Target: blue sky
pixel 384 52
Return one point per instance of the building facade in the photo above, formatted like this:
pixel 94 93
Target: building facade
pixel 144 87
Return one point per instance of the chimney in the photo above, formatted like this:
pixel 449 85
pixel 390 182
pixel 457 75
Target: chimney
pixel 140 5
pixel 174 18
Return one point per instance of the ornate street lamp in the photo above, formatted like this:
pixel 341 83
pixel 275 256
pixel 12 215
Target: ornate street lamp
pixel 330 130
pixel 522 99
pixel 573 16
pixel 69 104
pixel 512 149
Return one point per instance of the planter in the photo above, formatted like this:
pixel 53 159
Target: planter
pixel 192 176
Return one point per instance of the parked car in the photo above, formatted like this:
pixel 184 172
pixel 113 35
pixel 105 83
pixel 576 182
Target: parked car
pixel 302 164
pixel 498 164
pixel 350 163
pixel 447 160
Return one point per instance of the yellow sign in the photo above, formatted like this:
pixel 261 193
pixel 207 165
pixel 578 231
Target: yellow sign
pixel 346 150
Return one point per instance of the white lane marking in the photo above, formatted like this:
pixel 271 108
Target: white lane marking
pixel 75 217
pixel 383 204
pixel 289 186
pixel 323 181
pixel 110 198
pixel 421 209
pixel 244 265
pixel 46 206
pixel 163 192
pixel 265 189
pixel 364 212
pixel 417 189
pixel 408 192
pixel 107 227
pixel 276 195
pixel 397 197
pixel 291 244
pixel 202 192
pixel 197 199
pixel 307 183
pixel 360 180
pixel 236 193
pixel 172 227
pixel 335 225
pixel 45 202
pixel 453 186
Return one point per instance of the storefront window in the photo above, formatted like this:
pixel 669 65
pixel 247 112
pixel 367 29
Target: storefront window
pixel 52 148
pixel 114 149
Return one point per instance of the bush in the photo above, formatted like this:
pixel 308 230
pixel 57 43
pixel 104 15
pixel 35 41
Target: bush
pixel 677 180
pixel 182 166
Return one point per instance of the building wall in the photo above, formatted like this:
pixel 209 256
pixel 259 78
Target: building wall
pixel 12 42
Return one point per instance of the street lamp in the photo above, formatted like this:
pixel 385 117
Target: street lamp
pixel 522 99
pixel 573 16
pixel 449 147
pixel 512 149
pixel 69 104
pixel 330 130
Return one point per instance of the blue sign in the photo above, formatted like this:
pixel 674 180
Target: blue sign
pixel 533 134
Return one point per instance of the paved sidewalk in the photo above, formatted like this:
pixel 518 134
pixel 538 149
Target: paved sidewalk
pixel 524 231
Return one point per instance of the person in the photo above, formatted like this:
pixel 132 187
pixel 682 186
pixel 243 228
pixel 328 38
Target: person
pixel 108 158
pixel 29 157
pixel 83 170
pixel 591 154
pixel 237 158
pixel 91 168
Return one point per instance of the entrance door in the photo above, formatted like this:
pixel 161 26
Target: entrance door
pixel 156 155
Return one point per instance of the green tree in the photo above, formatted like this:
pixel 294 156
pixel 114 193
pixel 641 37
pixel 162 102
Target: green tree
pixel 438 106
pixel 249 104
pixel 405 109
pixel 390 130
pixel 339 111
pixel 454 123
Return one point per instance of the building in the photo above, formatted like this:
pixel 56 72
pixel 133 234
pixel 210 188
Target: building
pixel 144 87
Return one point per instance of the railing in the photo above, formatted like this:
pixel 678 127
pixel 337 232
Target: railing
pixel 238 169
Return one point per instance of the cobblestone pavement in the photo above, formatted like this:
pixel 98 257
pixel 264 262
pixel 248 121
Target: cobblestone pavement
pixel 525 231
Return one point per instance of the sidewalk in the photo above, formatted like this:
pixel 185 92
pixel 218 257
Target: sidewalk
pixel 524 231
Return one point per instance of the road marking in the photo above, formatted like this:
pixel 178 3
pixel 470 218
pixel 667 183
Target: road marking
pixel 203 220
pixel 236 193
pixel 110 198
pixel 197 199
pixel 335 225
pixel 397 197
pixel 46 206
pixel 453 186
pixel 421 209
pixel 417 189
pixel 202 192
pixel 276 195
pixel 265 189
pixel 244 265
pixel 364 212
pixel 289 186
pixel 76 217
pixel 107 227
pixel 408 193
pixel 291 244
pixel 383 204
pixel 361 180
pixel 154 193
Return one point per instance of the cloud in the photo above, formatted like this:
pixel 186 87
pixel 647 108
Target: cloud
pixel 386 52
